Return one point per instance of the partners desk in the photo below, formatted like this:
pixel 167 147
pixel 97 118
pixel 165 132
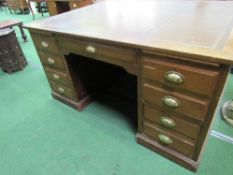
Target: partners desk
pixel 179 52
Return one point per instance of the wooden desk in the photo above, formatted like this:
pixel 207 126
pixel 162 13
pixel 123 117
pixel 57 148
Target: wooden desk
pixel 180 53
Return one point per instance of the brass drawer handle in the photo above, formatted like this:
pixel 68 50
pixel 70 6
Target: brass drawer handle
pixel 56 77
pixel 165 139
pixel 44 44
pixel 171 101
pixel 174 77
pixel 51 61
pixel 60 89
pixel 90 49
pixel 74 5
pixel 167 122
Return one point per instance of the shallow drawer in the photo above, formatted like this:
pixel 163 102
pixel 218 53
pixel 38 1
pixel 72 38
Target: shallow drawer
pixel 94 50
pixel 172 101
pixel 181 145
pixel 52 60
pixel 182 76
pixel 45 43
pixel 63 90
pixel 59 77
pixel 172 123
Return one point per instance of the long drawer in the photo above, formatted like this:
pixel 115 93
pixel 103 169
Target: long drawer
pixel 181 145
pixel 96 50
pixel 171 122
pixel 175 102
pixel 182 76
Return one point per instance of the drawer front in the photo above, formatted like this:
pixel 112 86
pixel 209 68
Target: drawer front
pixel 59 77
pixel 51 6
pixel 52 12
pixel 175 102
pixel 52 60
pixel 73 5
pixel 45 43
pixel 181 76
pixel 93 50
pixel 63 90
pixel 170 122
pixel 166 139
pixel 78 4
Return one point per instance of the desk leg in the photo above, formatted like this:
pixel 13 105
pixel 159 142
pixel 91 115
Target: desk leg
pixel 30 8
pixel 10 10
pixel 22 33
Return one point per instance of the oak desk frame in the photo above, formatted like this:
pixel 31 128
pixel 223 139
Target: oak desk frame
pixel 180 52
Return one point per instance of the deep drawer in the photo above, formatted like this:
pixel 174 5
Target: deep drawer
pixel 181 76
pixel 52 60
pixel 172 122
pixel 181 145
pixel 175 102
pixel 45 43
pixel 59 77
pixel 63 90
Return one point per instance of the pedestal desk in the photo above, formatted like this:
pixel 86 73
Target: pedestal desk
pixel 179 52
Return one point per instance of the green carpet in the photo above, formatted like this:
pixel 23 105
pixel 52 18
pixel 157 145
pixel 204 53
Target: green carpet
pixel 41 136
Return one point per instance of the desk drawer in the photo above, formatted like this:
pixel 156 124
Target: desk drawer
pixel 175 102
pixel 181 76
pixel 172 123
pixel 52 60
pixel 181 145
pixel 45 43
pixel 63 90
pixel 95 50
pixel 59 77
pixel 51 6
pixel 79 4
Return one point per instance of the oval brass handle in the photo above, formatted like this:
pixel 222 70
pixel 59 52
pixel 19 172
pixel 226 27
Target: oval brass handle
pixel 60 89
pixel 165 139
pixel 167 122
pixel 74 5
pixel 44 44
pixel 174 77
pixel 90 49
pixel 51 61
pixel 171 101
pixel 56 77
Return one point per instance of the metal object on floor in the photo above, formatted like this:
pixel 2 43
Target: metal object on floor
pixel 227 112
pixel 11 56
